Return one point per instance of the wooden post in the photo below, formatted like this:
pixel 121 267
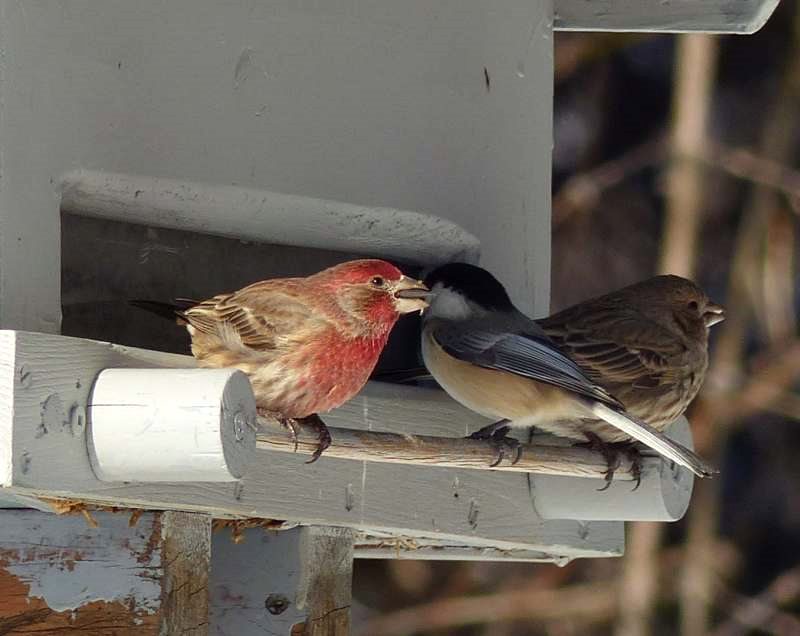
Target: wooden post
pixel 61 574
pixel 293 583
pixel 186 560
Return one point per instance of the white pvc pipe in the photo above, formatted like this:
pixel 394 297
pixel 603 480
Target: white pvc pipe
pixel 171 425
pixel 663 494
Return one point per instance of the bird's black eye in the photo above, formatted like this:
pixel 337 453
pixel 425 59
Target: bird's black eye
pixel 377 281
pixel 693 305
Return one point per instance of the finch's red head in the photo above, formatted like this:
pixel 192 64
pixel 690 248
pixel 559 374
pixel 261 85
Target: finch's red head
pixel 373 292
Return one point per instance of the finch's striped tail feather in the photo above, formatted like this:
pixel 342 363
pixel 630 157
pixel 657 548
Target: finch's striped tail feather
pixel 647 435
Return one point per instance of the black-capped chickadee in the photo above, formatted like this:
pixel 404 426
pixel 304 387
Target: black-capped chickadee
pixel 496 361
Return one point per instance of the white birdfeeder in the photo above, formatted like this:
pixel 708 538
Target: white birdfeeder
pixel 411 130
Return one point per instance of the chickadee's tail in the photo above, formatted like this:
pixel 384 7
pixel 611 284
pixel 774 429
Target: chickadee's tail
pixel 170 311
pixel 647 435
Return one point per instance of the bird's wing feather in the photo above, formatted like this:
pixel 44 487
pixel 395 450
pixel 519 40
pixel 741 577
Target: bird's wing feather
pixel 614 345
pixel 254 317
pixel 525 354
pixel 652 438
pixel 535 357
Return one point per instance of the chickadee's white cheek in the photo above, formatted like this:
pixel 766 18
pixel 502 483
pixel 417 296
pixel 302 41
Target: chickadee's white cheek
pixel 449 305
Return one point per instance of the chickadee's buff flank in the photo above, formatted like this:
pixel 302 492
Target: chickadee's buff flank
pixel 498 362
pixel 307 344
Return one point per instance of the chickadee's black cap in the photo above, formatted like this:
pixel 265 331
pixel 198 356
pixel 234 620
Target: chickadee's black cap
pixel 472 282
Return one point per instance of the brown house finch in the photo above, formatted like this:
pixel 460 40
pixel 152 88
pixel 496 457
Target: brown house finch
pixel 498 362
pixel 646 344
pixel 307 344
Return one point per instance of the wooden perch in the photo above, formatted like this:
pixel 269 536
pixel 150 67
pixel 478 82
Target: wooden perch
pixel 427 450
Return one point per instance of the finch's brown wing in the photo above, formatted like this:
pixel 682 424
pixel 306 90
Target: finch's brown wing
pixel 616 344
pixel 258 318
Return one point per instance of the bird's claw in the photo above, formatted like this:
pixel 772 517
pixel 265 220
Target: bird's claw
pixel 293 425
pixel 323 436
pixel 611 453
pixel 496 435
pixel 636 465
pixel 503 444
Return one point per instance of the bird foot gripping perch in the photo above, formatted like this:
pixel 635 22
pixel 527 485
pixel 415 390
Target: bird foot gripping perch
pixel 497 436
pixel 292 424
pixel 612 453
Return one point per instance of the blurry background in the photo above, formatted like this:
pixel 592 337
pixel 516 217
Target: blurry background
pixel 672 154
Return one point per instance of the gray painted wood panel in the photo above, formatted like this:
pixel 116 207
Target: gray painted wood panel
pixel 43 439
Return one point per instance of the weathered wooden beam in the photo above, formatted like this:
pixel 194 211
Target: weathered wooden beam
pixel 376 546
pixel 186 560
pixel 46 382
pixel 59 574
pixel 666 16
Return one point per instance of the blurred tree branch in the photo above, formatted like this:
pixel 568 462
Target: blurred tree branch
pixel 576 50
pixel 696 65
pixel 584 190
pixel 747 165
pixel 762 611
pixel 585 602
pixel 538 600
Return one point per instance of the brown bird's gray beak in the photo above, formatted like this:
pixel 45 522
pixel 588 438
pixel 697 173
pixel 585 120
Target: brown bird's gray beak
pixel 410 295
pixel 713 314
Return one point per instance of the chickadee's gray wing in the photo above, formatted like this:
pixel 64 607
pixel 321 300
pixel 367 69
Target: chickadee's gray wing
pixel 534 356
pixel 527 354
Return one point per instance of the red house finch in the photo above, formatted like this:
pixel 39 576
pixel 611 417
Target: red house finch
pixel 498 362
pixel 307 344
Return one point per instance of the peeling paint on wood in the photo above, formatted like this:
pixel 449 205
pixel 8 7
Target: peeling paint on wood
pixel 289 582
pixel 57 574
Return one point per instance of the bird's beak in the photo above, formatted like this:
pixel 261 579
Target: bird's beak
pixel 713 314
pixel 410 295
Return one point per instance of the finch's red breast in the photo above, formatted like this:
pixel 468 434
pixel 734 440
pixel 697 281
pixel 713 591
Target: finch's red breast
pixel 318 377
